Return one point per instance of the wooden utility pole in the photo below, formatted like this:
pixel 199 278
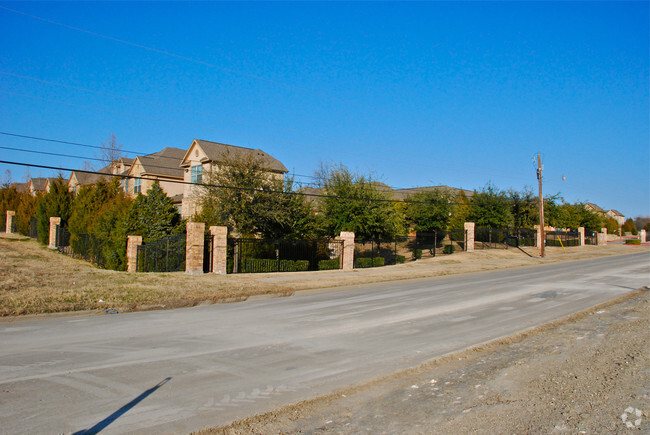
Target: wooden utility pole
pixel 542 241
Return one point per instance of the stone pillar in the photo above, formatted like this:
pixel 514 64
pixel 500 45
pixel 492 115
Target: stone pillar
pixel 602 237
pixel 348 250
pixel 581 232
pixel 643 236
pixel 11 215
pixel 194 247
pixel 219 249
pixel 469 236
pixel 132 253
pixel 54 222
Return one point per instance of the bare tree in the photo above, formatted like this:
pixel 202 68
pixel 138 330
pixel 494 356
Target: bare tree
pixel 6 179
pixel 111 150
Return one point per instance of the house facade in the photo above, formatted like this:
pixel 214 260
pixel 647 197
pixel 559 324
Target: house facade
pixel 144 171
pixel 205 156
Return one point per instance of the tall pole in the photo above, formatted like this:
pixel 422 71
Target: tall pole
pixel 542 240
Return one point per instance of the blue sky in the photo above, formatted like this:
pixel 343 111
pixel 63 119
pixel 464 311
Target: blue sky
pixel 417 94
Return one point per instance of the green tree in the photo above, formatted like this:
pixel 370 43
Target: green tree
pixel 460 212
pixel 153 216
pixel 429 211
pixel 630 227
pixel 26 210
pixel 524 208
pixel 9 200
pixel 110 227
pixel 490 208
pixel 611 225
pixel 355 204
pixel 56 203
pixel 242 195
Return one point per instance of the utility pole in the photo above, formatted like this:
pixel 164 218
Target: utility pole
pixel 542 241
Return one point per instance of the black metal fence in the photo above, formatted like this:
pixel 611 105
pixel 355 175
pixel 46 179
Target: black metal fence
pixel 283 255
pixel 384 252
pixel 88 247
pixel 163 255
pixel 62 240
pixel 562 238
pixel 591 238
pixel 33 228
pixel 208 253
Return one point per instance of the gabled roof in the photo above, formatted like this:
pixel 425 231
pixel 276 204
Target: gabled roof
pixel 21 187
pixel 38 184
pixel 126 161
pixel 217 152
pixel 616 213
pixel 164 162
pixel 86 178
pixel 594 207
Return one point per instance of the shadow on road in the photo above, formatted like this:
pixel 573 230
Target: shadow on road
pixel 117 414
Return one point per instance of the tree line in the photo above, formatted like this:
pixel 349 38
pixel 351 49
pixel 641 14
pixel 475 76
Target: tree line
pixel 251 202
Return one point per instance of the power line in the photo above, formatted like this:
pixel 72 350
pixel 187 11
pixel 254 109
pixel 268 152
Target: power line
pixel 248 189
pixel 197 61
pixel 182 109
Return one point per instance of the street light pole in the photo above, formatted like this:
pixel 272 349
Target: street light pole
pixel 542 237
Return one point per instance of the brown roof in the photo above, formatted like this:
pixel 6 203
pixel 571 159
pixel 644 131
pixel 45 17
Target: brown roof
pixel 218 152
pixel 21 187
pixel 86 178
pixel 38 184
pixel 165 162
pixel 594 207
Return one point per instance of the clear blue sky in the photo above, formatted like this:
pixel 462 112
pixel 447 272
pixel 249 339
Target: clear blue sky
pixel 455 93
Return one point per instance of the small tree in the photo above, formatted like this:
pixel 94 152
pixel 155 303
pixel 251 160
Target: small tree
pixel 490 208
pixel 56 203
pixel 153 216
pixel 355 204
pixel 611 225
pixel 524 207
pixel 244 196
pixel 111 150
pixel 630 227
pixel 429 211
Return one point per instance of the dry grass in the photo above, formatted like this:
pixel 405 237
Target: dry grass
pixel 35 279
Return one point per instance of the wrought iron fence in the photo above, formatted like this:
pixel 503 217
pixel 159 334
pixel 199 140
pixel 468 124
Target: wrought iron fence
pixel 562 238
pixel 591 238
pixel 384 252
pixel 33 228
pixel 208 253
pixel 62 239
pixel 88 247
pixel 163 255
pixel 521 237
pixel 283 255
pixel 491 238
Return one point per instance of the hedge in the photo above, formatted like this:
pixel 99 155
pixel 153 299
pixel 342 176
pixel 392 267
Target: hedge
pixel 254 265
pixel 334 263
pixel 633 241
pixel 399 259
pixel 362 263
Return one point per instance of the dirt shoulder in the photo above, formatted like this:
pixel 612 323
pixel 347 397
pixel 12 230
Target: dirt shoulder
pixel 588 373
pixel 36 280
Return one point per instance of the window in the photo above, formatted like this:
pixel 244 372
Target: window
pixel 197 174
pixel 136 185
pixel 126 185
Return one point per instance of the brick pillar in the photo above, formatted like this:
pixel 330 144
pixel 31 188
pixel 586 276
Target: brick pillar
pixel 11 215
pixel 219 249
pixel 581 232
pixel 642 235
pixel 54 221
pixel 469 236
pixel 132 253
pixel 348 250
pixel 194 247
pixel 602 236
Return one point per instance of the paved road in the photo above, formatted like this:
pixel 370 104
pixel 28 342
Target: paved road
pixel 181 370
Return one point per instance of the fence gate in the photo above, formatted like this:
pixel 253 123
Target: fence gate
pixel 208 253
pixel 163 255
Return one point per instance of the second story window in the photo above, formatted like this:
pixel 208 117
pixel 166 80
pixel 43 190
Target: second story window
pixel 197 174
pixel 136 185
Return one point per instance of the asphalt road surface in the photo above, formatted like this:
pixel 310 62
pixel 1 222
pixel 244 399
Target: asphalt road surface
pixel 182 370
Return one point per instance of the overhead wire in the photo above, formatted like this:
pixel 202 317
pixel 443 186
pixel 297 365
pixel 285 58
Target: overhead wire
pixel 206 185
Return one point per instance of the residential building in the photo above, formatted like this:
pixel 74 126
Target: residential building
pixel 162 166
pixel 205 156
